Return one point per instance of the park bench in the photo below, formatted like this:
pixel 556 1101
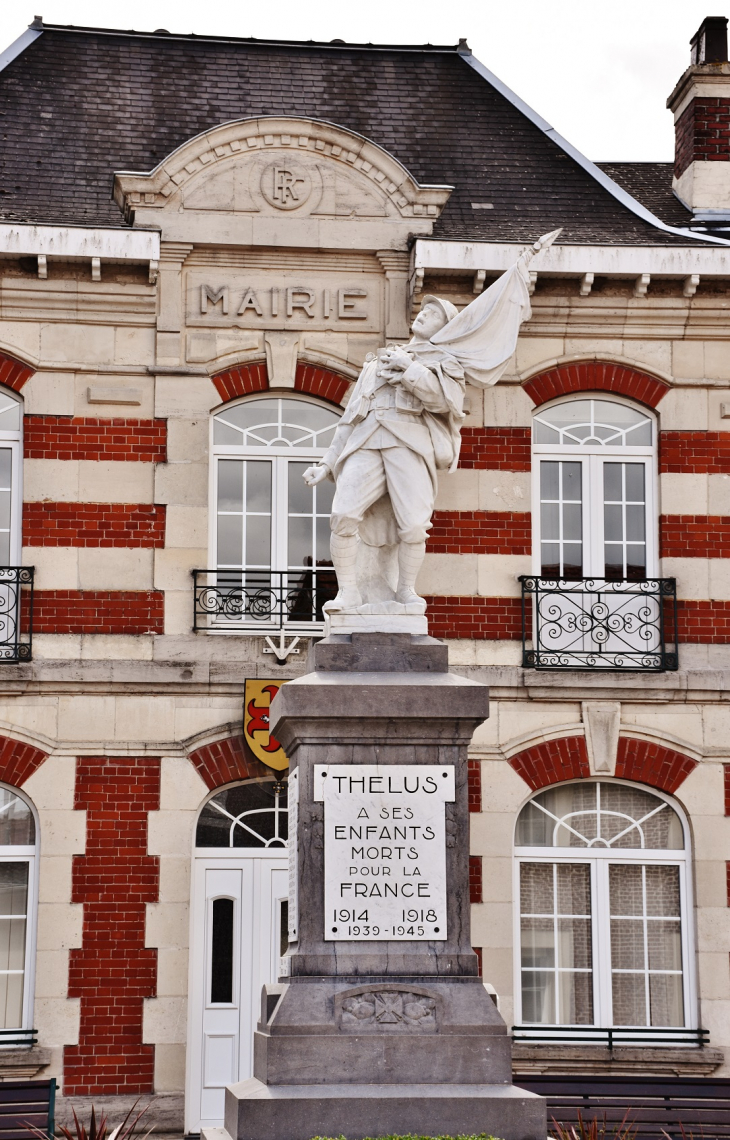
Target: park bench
pixel 26 1102
pixel 652 1105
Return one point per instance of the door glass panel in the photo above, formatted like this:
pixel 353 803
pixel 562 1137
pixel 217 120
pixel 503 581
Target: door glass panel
pixel 13 923
pixel 624 521
pixel 561 515
pixel 556 943
pixel 221 957
pixel 646 947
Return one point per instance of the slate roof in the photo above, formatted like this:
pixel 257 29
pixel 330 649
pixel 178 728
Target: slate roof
pixel 651 184
pixel 79 104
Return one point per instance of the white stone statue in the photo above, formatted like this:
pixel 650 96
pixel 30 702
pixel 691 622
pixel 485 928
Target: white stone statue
pixel 402 425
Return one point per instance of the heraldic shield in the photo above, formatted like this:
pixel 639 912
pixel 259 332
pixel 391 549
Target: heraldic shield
pixel 258 695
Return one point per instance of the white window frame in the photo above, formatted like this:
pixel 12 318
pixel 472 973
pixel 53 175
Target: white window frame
pixel 279 515
pixel 599 859
pixel 31 855
pixel 13 441
pixel 590 458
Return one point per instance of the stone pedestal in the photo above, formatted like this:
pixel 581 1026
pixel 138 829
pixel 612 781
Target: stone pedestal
pixel 370 1037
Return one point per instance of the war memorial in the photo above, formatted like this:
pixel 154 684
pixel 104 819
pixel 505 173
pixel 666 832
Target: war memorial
pixel 382 1024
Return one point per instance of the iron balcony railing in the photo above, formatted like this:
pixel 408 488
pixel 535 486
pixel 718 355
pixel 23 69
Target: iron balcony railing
pixel 18 1038
pixel 596 623
pixel 611 1036
pixel 262 601
pixel 16 614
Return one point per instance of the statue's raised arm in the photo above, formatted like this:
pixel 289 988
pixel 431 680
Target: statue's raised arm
pixel 401 426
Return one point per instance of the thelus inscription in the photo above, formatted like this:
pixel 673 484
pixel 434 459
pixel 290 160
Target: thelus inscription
pixel 384 850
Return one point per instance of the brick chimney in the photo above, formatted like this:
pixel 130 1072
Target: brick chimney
pixel 701 106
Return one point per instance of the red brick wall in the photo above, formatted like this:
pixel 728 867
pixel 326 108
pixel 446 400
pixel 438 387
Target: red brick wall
pixel 461 615
pixel 66 437
pixel 702 133
pixel 701 452
pixel 480 532
pixel 495 449
pixel 595 375
pixel 13 374
pixel 474 777
pixel 94 524
pixel 226 761
pixel 553 761
pixel 475 878
pixel 113 972
pixel 241 381
pixel 18 761
pixel 726 775
pixel 694 536
pixel 649 763
pixel 321 382
pixel 567 759
pixel 99 611
pixel 700 623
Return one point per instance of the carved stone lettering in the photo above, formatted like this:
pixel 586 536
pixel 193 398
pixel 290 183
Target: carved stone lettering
pixel 265 299
pixel 214 296
pixel 384 850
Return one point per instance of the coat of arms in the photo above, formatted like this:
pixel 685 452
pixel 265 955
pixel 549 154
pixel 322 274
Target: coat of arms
pixel 258 695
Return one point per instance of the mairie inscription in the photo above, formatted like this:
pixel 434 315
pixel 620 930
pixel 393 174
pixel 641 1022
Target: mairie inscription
pixel 266 300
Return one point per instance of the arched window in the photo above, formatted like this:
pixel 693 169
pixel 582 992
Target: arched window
pixel 18 850
pixel 271 533
pixel 602 891
pixel 594 509
pixel 253 814
pixel 595 597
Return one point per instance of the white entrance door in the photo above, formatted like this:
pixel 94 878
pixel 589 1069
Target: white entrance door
pixel 239 933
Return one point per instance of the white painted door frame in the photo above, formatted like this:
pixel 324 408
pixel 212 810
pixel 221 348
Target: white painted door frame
pixel 220 1034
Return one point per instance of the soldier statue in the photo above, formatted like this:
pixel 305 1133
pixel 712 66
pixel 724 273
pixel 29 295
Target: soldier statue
pixel 401 426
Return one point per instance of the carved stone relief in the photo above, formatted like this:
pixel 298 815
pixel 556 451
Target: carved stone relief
pixel 388 1009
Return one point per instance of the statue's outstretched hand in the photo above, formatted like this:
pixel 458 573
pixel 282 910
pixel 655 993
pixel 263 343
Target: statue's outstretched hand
pixel 317 474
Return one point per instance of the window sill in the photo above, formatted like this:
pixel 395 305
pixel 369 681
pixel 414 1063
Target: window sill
pixel 24 1063
pixel 584 1060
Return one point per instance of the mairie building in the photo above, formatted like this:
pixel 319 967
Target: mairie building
pixel 201 241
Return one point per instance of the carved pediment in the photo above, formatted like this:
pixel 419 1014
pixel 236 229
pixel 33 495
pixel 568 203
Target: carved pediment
pixel 280 168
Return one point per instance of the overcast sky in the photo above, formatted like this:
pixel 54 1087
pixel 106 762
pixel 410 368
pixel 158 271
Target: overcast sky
pixel 599 73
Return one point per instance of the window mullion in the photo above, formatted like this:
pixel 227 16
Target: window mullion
pixel 556 963
pixel 601 943
pixel 593 526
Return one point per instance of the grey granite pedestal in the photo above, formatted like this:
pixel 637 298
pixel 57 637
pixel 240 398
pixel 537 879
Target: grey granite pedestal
pixel 365 1037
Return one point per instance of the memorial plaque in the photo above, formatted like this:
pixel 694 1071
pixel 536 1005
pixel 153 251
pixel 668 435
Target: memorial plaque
pixel 384 850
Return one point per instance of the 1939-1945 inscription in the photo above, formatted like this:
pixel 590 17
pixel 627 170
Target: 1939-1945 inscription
pixel 384 850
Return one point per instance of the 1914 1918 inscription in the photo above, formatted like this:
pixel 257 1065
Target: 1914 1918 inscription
pixel 384 850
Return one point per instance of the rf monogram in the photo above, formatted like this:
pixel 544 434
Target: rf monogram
pixel 285 185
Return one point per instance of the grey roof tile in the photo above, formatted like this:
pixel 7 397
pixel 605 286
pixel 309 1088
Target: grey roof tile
pixel 124 101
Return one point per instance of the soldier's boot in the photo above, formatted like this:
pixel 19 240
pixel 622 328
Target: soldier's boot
pixel 344 556
pixel 410 560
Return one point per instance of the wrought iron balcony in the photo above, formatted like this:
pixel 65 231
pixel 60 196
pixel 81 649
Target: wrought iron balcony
pixel 596 623
pixel 16 614
pixel 262 601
